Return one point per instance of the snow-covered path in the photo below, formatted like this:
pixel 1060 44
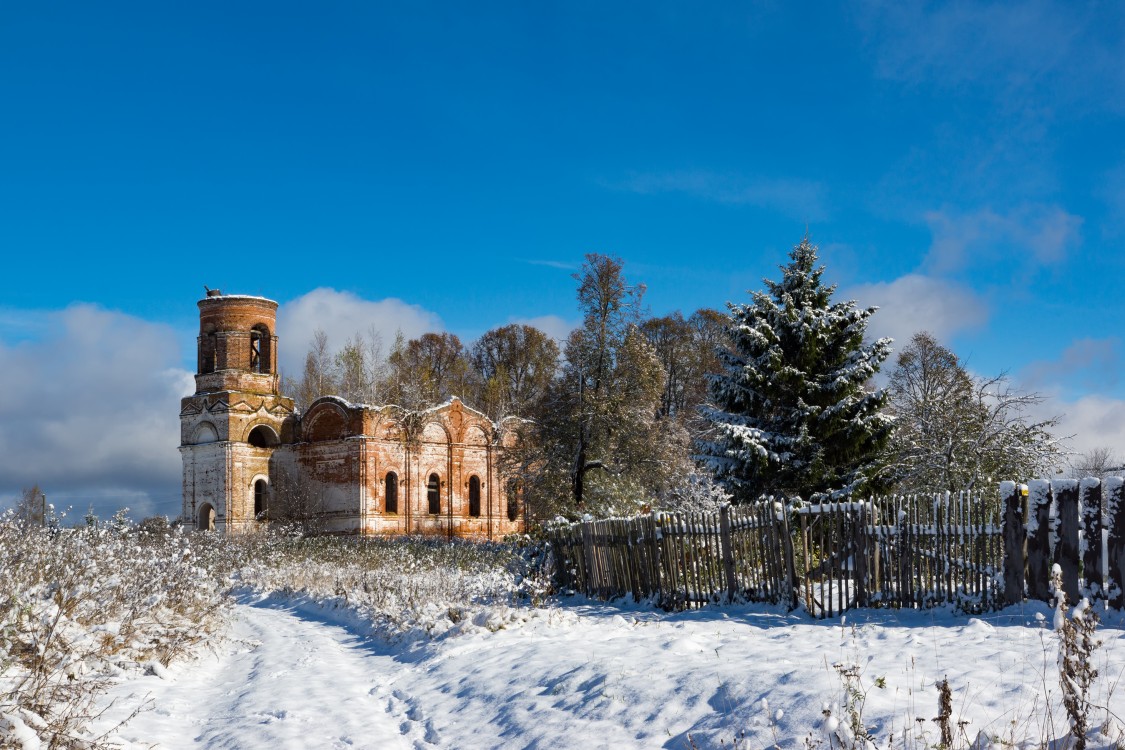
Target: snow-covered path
pixel 283 680
pixel 295 673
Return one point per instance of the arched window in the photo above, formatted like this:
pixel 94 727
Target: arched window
pixel 262 436
pixel 474 496
pixel 260 349
pixel 433 494
pixel 261 499
pixel 392 492
pixel 513 500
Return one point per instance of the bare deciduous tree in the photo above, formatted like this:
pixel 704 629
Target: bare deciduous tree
pixel 1101 461
pixel 30 508
pixel 954 431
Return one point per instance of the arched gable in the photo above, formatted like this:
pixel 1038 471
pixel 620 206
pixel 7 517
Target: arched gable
pixel 204 433
pixel 476 435
pixel 326 419
pixel 435 432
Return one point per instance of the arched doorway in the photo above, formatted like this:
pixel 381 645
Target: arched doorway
pixel 206 518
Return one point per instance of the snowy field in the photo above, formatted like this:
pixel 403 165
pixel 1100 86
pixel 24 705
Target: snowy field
pixel 297 673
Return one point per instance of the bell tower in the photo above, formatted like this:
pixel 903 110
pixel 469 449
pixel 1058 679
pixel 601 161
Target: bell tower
pixel 232 425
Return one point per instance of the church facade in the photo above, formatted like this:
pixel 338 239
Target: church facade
pixel 250 459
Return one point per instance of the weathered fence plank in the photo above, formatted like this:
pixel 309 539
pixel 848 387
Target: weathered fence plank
pixel 1115 511
pixel 1090 500
pixel 1039 540
pixel 1066 548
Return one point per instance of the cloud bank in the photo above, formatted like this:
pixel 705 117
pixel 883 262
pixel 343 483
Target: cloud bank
pixel 914 303
pixel 342 315
pixel 90 410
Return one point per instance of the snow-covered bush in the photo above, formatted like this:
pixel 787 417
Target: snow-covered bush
pixel 401 584
pixel 79 606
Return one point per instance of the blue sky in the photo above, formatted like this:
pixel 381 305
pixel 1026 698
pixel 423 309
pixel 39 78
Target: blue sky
pixel 427 165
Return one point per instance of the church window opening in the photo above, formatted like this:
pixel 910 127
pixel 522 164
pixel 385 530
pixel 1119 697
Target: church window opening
pixel 207 353
pixel 260 349
pixel 255 351
pixel 433 494
pixel 262 437
pixel 391 492
pixel 261 499
pixel 513 500
pixel 474 496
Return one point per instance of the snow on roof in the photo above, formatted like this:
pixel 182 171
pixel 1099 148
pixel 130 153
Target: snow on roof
pixel 237 296
pixel 341 401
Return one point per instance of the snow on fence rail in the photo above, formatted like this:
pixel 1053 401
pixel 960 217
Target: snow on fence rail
pixel 974 551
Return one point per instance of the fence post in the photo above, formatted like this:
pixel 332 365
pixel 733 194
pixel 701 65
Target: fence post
pixel 1115 515
pixel 728 551
pixel 1039 540
pixel 1090 498
pixel 588 551
pixel 1066 547
pixel 655 537
pixel 859 565
pixel 1014 537
pixel 790 556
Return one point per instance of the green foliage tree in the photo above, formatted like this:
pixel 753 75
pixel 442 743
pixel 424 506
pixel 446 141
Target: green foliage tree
pixel 596 442
pixel 515 365
pixel 792 414
pixel 687 350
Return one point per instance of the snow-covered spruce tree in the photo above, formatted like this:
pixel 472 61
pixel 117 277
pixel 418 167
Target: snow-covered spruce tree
pixel 790 411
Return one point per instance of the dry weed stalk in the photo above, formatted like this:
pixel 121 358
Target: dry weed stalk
pixel 1077 643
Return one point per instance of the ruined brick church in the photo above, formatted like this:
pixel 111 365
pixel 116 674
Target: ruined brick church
pixel 352 468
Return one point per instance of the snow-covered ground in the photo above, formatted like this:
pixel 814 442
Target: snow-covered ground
pixel 294 672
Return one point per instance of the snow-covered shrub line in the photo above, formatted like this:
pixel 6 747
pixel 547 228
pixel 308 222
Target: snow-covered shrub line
pixel 402 585
pixel 78 607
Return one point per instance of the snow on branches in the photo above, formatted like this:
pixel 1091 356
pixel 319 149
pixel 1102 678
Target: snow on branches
pixel 791 411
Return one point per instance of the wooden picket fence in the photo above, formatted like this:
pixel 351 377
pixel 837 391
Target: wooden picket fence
pixel 974 551
pixel 680 559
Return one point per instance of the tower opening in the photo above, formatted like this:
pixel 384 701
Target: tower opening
pixel 260 349
pixel 263 436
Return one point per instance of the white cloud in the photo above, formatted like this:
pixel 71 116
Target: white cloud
pixel 90 410
pixel 555 326
pixel 1090 422
pixel 801 199
pixel 1027 237
pixel 342 315
pixel 914 303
